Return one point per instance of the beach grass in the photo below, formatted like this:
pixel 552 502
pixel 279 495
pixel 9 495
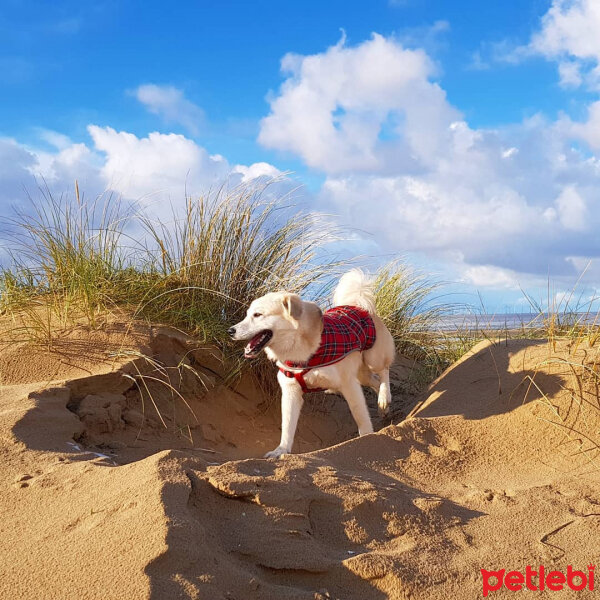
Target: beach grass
pixel 75 261
pixel 197 271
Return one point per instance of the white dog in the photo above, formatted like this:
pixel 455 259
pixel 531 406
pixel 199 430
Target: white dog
pixel 338 351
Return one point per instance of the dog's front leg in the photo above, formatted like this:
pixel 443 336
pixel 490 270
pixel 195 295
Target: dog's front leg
pixel 358 406
pixel 291 404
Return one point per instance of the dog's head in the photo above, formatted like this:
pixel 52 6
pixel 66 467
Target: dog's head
pixel 276 320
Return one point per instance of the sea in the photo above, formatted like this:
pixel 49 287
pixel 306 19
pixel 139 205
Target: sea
pixel 513 321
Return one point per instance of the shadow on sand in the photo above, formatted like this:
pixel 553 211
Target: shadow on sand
pixel 486 384
pixel 305 527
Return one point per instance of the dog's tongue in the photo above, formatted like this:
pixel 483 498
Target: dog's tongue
pixel 249 349
pixel 257 343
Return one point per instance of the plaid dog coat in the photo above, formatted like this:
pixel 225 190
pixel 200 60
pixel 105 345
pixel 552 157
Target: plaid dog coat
pixel 345 329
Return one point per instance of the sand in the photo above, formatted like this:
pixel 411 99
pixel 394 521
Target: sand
pixel 104 498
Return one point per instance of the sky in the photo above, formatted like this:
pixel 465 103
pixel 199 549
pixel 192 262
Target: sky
pixel 461 136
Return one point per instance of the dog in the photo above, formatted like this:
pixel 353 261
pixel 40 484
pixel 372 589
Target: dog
pixel 338 351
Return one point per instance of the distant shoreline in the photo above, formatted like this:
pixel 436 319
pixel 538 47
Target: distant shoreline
pixel 513 321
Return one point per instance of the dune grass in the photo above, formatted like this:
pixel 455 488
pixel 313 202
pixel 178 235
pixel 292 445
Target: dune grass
pixel 227 249
pixel 571 320
pixel 79 261
pixel 406 301
pixel 574 356
pixel 76 260
pixel 67 263
pixel 73 259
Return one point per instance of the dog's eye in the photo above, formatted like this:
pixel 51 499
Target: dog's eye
pixel 256 315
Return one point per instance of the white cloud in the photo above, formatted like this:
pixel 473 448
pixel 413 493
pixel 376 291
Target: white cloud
pixel 503 52
pixel 570 26
pixel 569 72
pixel 572 210
pixel 569 33
pixel 260 169
pixel 402 164
pixel 367 108
pixel 588 130
pixel 484 276
pixel 15 171
pixel 477 62
pixel 171 104
pixel 54 138
pixel 156 165
pixel 156 171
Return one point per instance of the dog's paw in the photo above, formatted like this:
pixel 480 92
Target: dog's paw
pixel 383 407
pixel 279 451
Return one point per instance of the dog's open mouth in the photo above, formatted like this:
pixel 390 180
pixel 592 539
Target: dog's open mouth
pixel 257 343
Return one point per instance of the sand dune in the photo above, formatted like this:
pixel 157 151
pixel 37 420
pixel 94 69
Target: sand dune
pixel 104 498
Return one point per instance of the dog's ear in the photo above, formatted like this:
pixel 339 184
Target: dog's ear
pixel 292 308
pixel 313 316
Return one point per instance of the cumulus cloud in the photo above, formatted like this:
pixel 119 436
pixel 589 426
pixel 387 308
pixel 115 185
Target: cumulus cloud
pixel 488 276
pixel 369 108
pixel 402 163
pixel 256 170
pixel 158 164
pixel 569 34
pixel 16 163
pixel 171 104
pixel 572 210
pixel 569 72
pixel 156 171
pixel 588 130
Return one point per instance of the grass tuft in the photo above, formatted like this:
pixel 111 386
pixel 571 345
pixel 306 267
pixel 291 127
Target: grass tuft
pixel 406 301
pixel 67 262
pixel 228 248
pixel 75 261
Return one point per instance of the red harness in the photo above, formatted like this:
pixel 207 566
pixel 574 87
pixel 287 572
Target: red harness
pixel 345 330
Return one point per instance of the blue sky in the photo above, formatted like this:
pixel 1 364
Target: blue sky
pixel 462 135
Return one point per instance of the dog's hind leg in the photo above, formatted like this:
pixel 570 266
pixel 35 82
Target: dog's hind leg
pixel 384 394
pixel 368 379
pixel 358 406
pixel 378 360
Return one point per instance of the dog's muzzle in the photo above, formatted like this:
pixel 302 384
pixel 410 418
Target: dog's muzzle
pixel 257 343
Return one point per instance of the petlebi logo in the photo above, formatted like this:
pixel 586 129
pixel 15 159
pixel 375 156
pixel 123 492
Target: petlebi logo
pixel 539 580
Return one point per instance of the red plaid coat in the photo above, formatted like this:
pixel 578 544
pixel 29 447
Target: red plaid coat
pixel 345 329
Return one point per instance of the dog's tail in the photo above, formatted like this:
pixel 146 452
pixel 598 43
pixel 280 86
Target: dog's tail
pixel 355 289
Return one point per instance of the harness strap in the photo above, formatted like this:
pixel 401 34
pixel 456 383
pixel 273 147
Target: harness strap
pixel 299 377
